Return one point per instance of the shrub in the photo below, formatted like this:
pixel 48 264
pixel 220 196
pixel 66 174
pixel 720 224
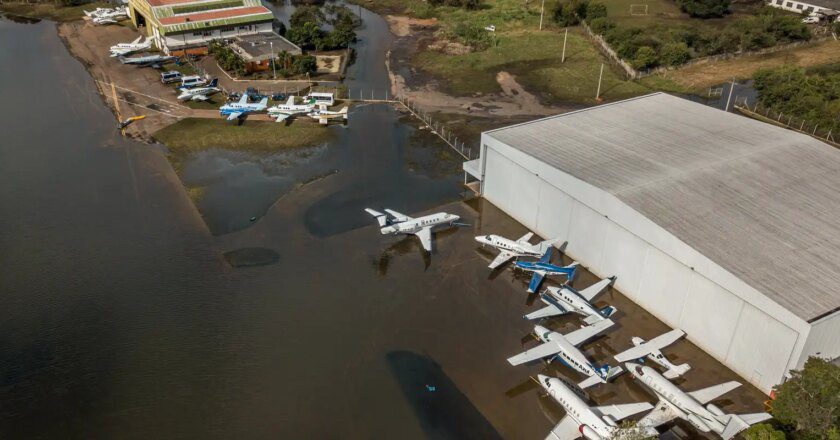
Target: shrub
pixel 473 35
pixel 704 8
pixel 306 14
pixel 595 10
pixel 763 431
pixel 674 54
pixel 466 4
pixel 645 58
pixel 601 25
pixel 809 401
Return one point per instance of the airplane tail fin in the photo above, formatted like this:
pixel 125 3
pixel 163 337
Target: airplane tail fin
pixel 213 83
pixel 546 256
pixel 605 312
pixel 738 423
pixel 380 217
pixel 603 374
pixel 677 371
pixel 291 100
pixel 343 112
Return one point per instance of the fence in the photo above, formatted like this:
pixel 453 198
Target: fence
pixel 767 114
pixel 611 55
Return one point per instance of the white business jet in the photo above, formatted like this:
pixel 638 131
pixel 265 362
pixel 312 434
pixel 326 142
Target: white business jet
pixel 122 49
pixel 582 420
pixel 565 299
pixel 394 223
pixel 509 249
pixel 564 347
pixel 676 403
pixel 651 350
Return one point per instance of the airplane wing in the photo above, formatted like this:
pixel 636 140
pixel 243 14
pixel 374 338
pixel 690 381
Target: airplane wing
pixel 567 429
pixel 282 117
pixel 540 351
pixel 536 279
pixel 593 290
pixel 524 239
pixel 137 40
pixel 244 99
pixel 501 259
pixel 425 236
pixel 397 216
pixel 706 395
pixel 645 348
pixel 661 414
pixel 200 97
pixel 619 412
pixel 554 308
pixel 582 334
pixel 234 116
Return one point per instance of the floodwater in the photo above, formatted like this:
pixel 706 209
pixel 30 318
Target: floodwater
pixel 125 317
pixel 366 156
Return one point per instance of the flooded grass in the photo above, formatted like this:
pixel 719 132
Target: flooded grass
pixel 50 11
pixel 251 257
pixel 196 134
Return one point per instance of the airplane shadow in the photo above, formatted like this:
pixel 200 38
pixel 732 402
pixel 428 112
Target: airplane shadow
pixel 405 246
pixel 443 411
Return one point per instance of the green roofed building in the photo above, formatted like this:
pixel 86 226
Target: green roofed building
pixel 186 26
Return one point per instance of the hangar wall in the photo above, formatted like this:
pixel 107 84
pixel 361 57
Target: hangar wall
pixel 654 272
pixel 824 338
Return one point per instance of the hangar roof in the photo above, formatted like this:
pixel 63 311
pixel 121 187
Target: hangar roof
pixel 761 201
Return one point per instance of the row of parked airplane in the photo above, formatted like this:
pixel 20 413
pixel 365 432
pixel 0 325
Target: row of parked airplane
pixel 321 113
pixel 601 422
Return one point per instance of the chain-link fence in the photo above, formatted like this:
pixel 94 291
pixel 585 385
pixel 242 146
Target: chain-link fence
pixel 824 132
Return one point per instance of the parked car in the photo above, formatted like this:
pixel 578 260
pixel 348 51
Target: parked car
pixel 193 81
pixel 170 76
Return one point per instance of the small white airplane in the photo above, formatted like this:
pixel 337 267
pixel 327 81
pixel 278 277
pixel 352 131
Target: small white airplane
pixel 323 116
pixel 509 249
pixel 199 93
pixel 107 15
pixel 392 222
pixel 154 60
pixel 676 403
pixel 651 350
pixel 565 299
pixel 582 420
pixel 282 112
pixel 236 110
pixel 122 49
pixel 564 347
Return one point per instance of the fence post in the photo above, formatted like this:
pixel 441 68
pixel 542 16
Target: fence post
pixel 815 130
pixel 802 126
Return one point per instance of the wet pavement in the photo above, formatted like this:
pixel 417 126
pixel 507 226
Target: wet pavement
pixel 125 317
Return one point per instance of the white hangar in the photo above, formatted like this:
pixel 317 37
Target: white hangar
pixel 725 227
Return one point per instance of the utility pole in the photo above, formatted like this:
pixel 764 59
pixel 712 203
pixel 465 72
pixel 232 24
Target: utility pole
pixel 731 88
pixel 273 69
pixel 601 75
pixel 542 11
pixel 566 36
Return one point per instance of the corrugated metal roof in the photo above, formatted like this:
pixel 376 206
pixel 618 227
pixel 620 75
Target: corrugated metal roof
pixel 761 201
pixel 214 15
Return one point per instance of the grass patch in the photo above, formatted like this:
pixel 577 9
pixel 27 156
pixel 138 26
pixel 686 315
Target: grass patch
pixel 534 57
pixel 50 11
pixel 196 193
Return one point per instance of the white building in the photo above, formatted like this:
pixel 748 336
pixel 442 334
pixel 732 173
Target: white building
pixel 720 225
pixel 806 7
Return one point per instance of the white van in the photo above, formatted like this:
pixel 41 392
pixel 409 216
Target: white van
pixel 320 98
pixel 189 82
pixel 170 76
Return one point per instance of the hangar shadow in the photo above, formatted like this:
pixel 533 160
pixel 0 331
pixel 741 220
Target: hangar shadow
pixel 444 412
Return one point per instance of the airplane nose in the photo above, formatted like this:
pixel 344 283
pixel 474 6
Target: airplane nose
pixel 538 329
pixel 542 378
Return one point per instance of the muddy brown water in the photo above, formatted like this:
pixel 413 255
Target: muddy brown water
pixel 121 317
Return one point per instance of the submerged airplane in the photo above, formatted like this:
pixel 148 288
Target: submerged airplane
pixel 509 249
pixel 543 267
pixel 565 348
pixel 323 116
pixel 199 93
pixel 282 112
pixel 155 61
pixel 565 299
pixel 122 49
pixel 236 110
pixel 582 420
pixel 676 403
pixel 651 350
pixel 392 222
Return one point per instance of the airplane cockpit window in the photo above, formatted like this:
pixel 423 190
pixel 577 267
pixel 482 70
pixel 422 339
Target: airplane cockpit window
pixel 547 383
pixel 639 370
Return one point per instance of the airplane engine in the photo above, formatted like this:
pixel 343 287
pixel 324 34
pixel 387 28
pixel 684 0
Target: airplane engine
pixel 388 230
pixel 715 410
pixel 698 423
pixel 589 433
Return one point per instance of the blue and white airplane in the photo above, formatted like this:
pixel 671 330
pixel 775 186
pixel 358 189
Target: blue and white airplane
pixel 543 267
pixel 236 110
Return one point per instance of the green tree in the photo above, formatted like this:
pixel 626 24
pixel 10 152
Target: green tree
pixel 763 431
pixel 674 54
pixel 305 35
pixel 601 25
pixel 704 8
pixel 629 430
pixel 810 400
pixel 645 57
pixel 307 14
pixel 595 10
